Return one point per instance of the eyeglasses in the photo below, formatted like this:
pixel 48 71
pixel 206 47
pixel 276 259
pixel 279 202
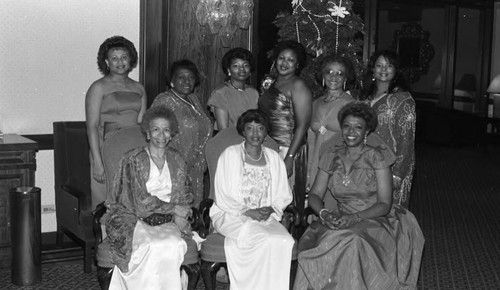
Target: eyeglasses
pixel 334 74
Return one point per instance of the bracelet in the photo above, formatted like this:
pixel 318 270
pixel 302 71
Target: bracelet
pixel 319 214
pixel 291 155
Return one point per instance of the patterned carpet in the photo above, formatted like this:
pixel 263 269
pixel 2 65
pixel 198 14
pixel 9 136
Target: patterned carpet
pixel 456 199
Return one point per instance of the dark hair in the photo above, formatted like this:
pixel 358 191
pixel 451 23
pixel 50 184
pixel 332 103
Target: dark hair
pixel 160 112
pixel 351 81
pixel 296 47
pixel 235 53
pixel 361 110
pixel 398 83
pixel 183 64
pixel 113 43
pixel 252 115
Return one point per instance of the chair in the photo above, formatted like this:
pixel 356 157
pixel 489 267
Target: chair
pixel 72 186
pixel 212 250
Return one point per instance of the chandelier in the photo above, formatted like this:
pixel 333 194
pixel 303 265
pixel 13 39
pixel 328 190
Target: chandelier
pixel 223 17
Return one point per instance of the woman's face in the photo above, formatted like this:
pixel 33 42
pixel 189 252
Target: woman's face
pixel 118 61
pixel 383 70
pixel 334 75
pixel 183 81
pixel 159 132
pixel 354 130
pixel 239 69
pixel 254 133
pixel 287 62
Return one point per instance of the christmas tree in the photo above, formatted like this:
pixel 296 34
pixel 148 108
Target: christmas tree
pixel 324 27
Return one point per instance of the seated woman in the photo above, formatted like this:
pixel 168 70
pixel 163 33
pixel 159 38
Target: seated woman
pixel 367 242
pixel 251 192
pixel 148 208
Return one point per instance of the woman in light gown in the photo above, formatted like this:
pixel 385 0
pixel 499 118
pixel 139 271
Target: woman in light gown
pixel 251 192
pixel 337 75
pixel 287 103
pixel 229 100
pixel 147 210
pixel 113 102
pixel 195 128
pixel 366 242
pixel 386 90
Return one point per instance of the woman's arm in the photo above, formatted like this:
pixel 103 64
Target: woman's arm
pixel 93 102
pixel 144 100
pixel 302 104
pixel 221 117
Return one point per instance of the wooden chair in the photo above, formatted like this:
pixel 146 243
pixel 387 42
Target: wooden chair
pixel 72 186
pixel 212 250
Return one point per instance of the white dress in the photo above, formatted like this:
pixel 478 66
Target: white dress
pixel 258 254
pixel 157 252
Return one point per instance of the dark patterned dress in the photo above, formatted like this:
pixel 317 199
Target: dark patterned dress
pixel 396 127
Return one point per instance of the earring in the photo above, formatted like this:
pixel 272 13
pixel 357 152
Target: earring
pixel 229 73
pixel 323 83
pixel 343 87
pixel 272 67
pixel 148 138
pixel 171 84
pixel 364 141
pixel 373 78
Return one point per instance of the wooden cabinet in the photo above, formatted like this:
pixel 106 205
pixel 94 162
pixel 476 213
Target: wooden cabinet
pixel 17 168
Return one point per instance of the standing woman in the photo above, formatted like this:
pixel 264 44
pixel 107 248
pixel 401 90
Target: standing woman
pixel 287 103
pixel 337 75
pixel 113 102
pixel 235 96
pixel 195 127
pixel 388 94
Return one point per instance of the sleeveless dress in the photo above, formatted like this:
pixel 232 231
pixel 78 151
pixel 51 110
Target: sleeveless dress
pixel 119 110
pixel 233 101
pixel 376 253
pixel 280 112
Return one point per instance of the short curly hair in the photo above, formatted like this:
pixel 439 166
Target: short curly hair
pixel 360 110
pixel 249 116
pixel 235 53
pixel 113 43
pixel 159 112
pixel 350 73
pixel 296 47
pixel 183 64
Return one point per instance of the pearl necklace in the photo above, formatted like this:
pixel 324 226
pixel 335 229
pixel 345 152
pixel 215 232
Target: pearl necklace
pixel 234 87
pixel 255 160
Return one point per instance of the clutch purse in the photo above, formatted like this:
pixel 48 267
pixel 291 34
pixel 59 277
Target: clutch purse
pixel 157 219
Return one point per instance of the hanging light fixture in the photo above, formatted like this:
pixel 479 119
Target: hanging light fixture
pixel 223 17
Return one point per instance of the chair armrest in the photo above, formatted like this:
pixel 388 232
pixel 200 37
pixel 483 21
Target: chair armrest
pixel 83 198
pixel 204 214
pixel 308 212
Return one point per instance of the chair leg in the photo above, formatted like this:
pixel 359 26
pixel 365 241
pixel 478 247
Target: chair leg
pixel 87 258
pixel 293 272
pixel 104 277
pixel 208 271
pixel 193 272
pixel 59 237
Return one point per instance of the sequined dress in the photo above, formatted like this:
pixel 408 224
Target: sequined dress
pixel 396 127
pixel 195 128
pixel 377 253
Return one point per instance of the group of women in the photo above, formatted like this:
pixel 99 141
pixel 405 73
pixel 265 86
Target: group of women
pixel 359 171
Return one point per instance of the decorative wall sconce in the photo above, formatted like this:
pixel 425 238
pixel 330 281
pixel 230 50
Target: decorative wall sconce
pixel 223 17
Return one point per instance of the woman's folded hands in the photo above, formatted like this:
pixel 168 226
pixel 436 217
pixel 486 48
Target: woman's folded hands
pixel 259 214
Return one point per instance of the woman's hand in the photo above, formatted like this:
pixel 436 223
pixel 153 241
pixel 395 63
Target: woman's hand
pixel 289 165
pixel 183 211
pixel 99 174
pixel 346 221
pixel 259 214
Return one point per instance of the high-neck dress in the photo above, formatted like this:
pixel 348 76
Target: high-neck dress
pixel 195 128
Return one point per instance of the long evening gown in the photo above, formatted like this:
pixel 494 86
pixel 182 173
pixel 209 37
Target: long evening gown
pixel 119 110
pixel 376 253
pixel 396 127
pixel 195 128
